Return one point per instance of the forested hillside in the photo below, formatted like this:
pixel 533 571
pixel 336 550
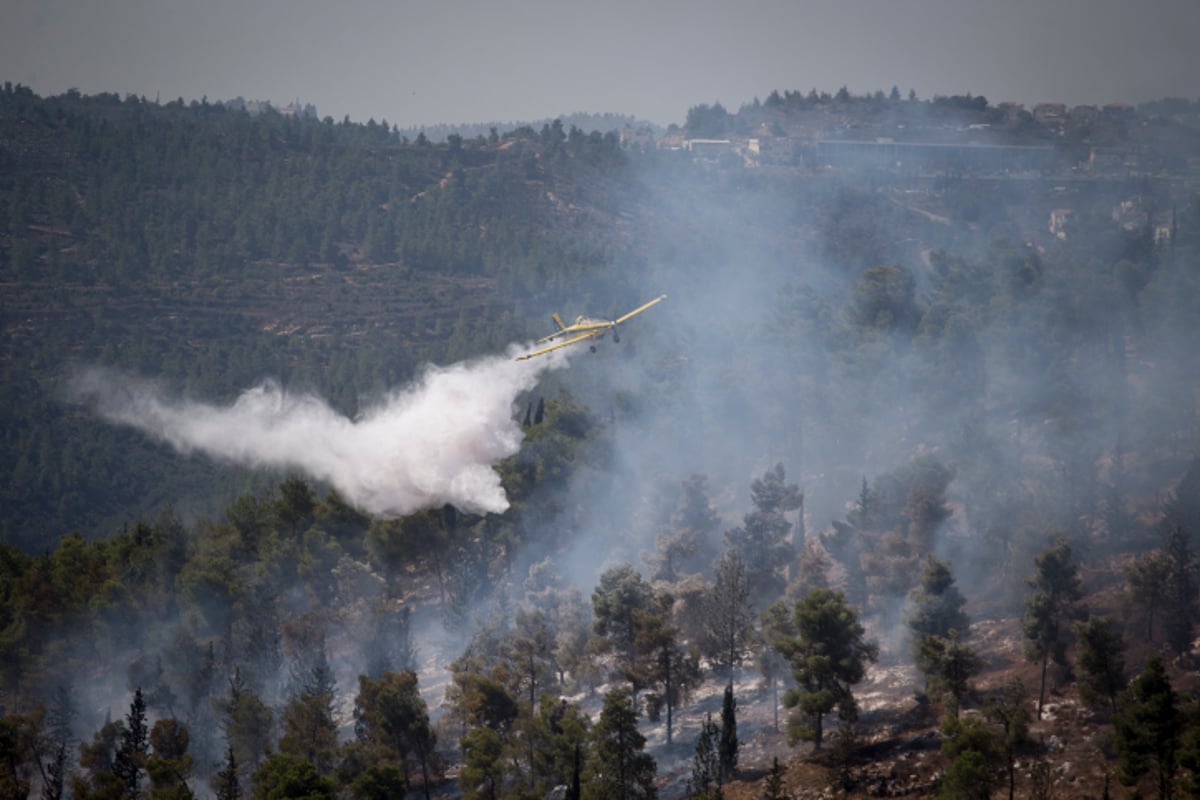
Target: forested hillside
pixel 208 249
pixel 942 421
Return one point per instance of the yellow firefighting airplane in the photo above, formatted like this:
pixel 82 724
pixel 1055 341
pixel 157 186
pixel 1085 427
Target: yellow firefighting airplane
pixel 585 329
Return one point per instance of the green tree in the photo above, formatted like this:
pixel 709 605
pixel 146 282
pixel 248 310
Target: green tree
pixel 1146 583
pixel 479 699
pixel 55 782
pixel 1049 609
pixel 618 768
pixel 1180 591
pixel 728 616
pixel 20 745
pixel 761 540
pixel 973 753
pixel 226 784
pixel 99 759
pixel 484 764
pixel 937 604
pixel 707 122
pixel 939 627
pixel 248 723
pixel 840 759
pixel 61 712
pixel 884 298
pixel 705 782
pixel 129 761
pixel 727 746
pixel 286 777
pixel 685 540
pixel 1008 708
pixel 1100 659
pixel 558 734
pixel 295 504
pixel 170 766
pixel 773 788
pixel 828 654
pixel 896 523
pixel 621 593
pixel 392 646
pixel 1146 729
pixel 776 624
pixel 949 666
pixel 669 667
pixel 391 715
pixel 379 781
pixel 529 648
pixel 1189 744
pixel 309 730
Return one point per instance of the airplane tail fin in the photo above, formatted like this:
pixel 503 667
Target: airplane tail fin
pixel 558 321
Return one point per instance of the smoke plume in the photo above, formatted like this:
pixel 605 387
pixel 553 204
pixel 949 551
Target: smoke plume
pixel 433 442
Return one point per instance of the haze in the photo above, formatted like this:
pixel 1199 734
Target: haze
pixel 427 63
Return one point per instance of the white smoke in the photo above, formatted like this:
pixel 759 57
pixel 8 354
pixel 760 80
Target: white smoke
pixel 433 442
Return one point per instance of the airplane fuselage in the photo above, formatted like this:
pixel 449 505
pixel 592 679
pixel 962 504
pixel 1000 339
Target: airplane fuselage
pixel 585 329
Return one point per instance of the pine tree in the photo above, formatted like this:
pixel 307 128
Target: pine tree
pixel 949 666
pixel 1146 582
pixel 828 654
pixel 618 599
pixel 575 791
pixel 761 539
pixel 973 753
pixel 705 783
pixel 170 766
pixel 728 616
pixel 1180 592
pixel 1049 609
pixel 840 760
pixel 1147 727
pixel 56 773
pixel 1100 658
pixel 939 625
pixel 1189 745
pixel 937 604
pixel 773 790
pixel 727 750
pixel 1009 710
pixel 777 624
pixel 247 722
pixel 618 767
pixel 226 783
pixel 668 665
pixel 130 758
pixel 391 714
pixel 59 717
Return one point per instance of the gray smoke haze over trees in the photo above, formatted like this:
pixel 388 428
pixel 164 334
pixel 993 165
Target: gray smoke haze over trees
pixel 912 362
pixel 842 333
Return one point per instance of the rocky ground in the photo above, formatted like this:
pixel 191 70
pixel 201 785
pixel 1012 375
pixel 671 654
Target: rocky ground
pixel 1069 755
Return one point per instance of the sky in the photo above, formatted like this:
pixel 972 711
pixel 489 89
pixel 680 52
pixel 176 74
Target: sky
pixel 472 61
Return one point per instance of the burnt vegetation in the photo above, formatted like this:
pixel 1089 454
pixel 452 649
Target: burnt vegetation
pixel 898 495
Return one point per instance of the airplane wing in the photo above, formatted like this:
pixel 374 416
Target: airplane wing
pixel 640 309
pixel 583 337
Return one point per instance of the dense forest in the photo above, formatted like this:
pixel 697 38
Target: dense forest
pixel 879 413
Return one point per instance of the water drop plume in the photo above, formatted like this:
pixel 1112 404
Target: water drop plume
pixel 433 442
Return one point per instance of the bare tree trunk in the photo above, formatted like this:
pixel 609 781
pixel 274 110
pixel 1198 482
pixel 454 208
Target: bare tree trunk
pixel 1042 685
